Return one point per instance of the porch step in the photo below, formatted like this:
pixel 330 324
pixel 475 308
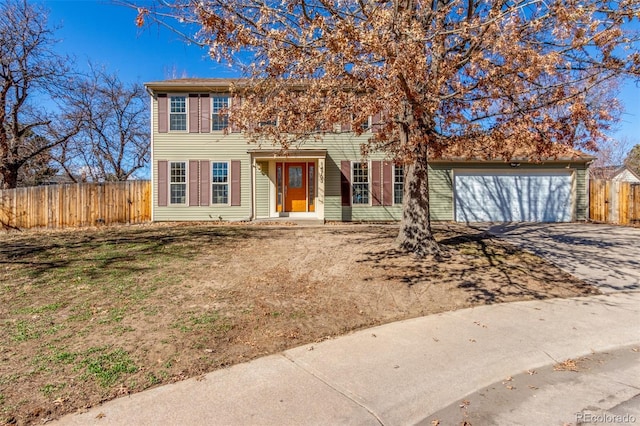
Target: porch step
pixel 297 221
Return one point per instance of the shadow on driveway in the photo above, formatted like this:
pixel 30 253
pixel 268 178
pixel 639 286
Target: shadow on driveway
pixel 604 255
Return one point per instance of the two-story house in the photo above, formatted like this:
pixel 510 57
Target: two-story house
pixel 203 169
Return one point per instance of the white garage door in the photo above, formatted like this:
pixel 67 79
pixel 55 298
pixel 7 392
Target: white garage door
pixel 513 196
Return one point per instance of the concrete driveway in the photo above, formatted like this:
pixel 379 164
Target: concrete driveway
pixel 604 255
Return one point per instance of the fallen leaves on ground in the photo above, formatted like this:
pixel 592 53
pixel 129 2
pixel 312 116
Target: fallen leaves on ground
pixel 566 365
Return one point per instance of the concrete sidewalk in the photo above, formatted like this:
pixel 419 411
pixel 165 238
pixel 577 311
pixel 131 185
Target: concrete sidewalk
pixel 402 373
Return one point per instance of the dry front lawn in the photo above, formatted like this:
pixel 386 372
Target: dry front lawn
pixel 90 315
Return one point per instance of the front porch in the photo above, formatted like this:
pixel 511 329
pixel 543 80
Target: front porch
pixel 288 183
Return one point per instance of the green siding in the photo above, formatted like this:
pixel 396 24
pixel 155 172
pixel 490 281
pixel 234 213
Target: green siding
pixel 217 146
pixel 582 192
pixel 262 189
pixel 213 146
pixel 441 192
pixel 347 148
pixel 204 213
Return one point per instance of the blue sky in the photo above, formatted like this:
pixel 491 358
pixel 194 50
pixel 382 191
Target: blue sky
pixel 105 34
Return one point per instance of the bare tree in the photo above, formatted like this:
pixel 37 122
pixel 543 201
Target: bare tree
pixel 114 141
pixel 611 154
pixel 37 170
pixel 31 76
pixel 468 78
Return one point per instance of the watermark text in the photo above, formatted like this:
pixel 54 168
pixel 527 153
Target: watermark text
pixel 586 417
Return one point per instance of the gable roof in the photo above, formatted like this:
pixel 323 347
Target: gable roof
pixel 628 171
pixel 484 153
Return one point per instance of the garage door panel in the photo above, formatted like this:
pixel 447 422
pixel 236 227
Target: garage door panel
pixel 482 196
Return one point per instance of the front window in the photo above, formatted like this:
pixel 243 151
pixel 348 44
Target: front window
pixel 219 114
pixel 398 184
pixel 178 183
pixel 178 113
pixel 295 177
pixel 364 126
pixel 220 183
pixel 360 183
pixel 279 186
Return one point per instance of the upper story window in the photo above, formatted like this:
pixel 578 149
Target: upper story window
pixel 398 183
pixel 360 183
pixel 219 113
pixel 362 126
pixel 178 113
pixel 365 125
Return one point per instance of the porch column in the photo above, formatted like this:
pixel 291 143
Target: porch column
pixel 321 179
pixel 253 187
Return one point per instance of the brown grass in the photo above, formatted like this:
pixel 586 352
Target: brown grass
pixel 89 315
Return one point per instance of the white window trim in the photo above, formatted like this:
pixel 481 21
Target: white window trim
pixel 393 185
pixel 368 122
pixel 368 163
pixel 228 203
pixel 229 100
pixel 186 109
pixel 186 183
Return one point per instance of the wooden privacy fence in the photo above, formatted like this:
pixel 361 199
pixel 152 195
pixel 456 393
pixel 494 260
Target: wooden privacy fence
pixel 82 204
pixel 614 202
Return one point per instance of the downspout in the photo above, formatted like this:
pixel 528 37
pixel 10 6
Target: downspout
pixel 587 178
pixel 151 175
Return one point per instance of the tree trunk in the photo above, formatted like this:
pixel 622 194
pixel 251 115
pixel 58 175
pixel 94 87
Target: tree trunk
pixel 415 228
pixel 9 177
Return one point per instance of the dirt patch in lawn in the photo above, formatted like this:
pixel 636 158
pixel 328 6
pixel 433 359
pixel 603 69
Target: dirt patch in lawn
pixel 90 315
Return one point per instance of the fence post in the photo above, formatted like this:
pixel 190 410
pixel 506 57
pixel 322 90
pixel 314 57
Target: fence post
pixel 614 195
